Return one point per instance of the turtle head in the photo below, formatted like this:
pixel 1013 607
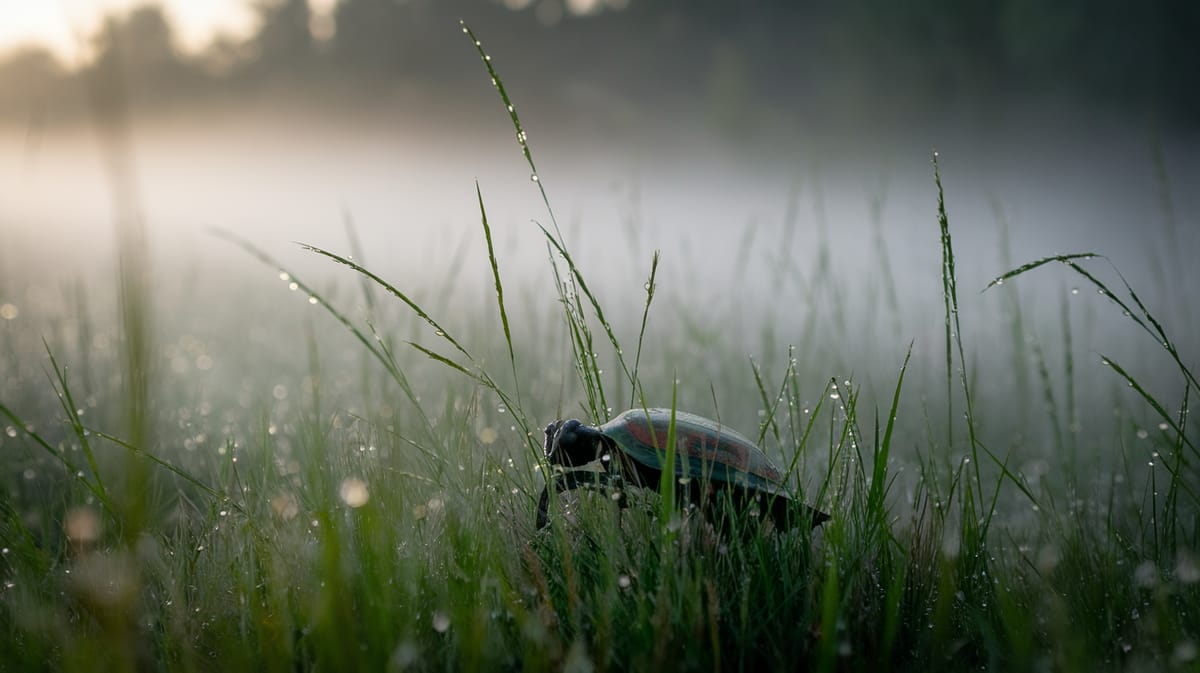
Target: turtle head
pixel 572 444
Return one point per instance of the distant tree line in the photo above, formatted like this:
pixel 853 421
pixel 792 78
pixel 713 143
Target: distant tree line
pixel 1117 53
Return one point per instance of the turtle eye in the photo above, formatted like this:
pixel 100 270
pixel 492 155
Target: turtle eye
pixel 574 444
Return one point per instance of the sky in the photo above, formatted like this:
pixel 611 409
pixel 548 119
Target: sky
pixel 55 23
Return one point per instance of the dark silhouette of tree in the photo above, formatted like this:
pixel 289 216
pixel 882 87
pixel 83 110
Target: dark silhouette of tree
pixel 33 78
pixel 738 56
pixel 142 48
pixel 284 46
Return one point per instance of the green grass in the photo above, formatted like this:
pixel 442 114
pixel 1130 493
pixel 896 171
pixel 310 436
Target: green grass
pixel 377 514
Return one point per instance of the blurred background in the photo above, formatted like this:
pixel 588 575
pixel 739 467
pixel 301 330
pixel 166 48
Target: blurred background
pixel 777 152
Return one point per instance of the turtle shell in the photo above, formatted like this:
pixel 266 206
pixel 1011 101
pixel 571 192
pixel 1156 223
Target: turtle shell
pixel 703 449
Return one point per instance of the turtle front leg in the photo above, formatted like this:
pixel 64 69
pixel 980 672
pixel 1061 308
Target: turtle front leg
pixel 569 481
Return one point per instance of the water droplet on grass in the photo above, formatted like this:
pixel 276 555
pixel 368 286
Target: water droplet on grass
pixel 1145 575
pixel 1186 569
pixel 354 492
pixel 441 621
pixel 1185 652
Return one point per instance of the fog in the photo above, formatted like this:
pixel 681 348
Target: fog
pixel 408 184
pixel 762 195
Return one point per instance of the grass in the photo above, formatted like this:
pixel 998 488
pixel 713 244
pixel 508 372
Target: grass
pixel 383 519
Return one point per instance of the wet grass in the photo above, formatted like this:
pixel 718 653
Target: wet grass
pixel 382 519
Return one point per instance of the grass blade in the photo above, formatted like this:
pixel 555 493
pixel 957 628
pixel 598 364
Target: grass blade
pixel 438 329
pixel 651 285
pixel 487 233
pixel 879 472
pixel 1030 266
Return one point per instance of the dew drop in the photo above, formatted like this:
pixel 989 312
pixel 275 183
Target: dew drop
pixel 441 621
pixel 354 492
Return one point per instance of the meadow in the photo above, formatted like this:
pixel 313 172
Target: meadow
pixel 342 475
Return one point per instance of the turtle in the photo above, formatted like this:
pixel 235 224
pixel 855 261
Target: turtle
pixel 629 450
